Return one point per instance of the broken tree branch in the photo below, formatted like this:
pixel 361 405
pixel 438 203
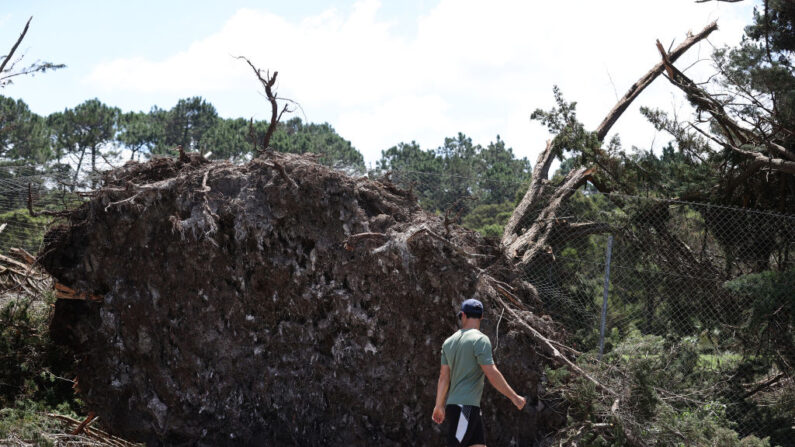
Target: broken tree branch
pixel 552 350
pixel 82 426
pixel 535 238
pixel 539 176
pixel 763 385
pixel 267 83
pixel 515 239
pixel 24 254
pixel 647 79
pixel 94 436
pixel 16 45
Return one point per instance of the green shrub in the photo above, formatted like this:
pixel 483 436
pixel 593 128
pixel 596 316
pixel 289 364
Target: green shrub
pixel 666 397
pixel 32 367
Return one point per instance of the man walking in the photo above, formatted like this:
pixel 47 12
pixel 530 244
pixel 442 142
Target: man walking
pixel 466 359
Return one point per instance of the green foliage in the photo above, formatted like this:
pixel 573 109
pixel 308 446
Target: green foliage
pixel 235 138
pixel 489 219
pixel 86 130
pixel 296 137
pixel 142 132
pixel 459 176
pixel 28 421
pixel 664 398
pixel 230 138
pixel 23 134
pixel 570 134
pixel 32 367
pixel 770 316
pixel 188 124
pixel 69 141
pixel 775 25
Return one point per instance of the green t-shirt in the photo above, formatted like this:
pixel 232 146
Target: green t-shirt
pixel 465 351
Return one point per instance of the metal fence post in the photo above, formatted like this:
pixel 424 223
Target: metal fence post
pixel 609 254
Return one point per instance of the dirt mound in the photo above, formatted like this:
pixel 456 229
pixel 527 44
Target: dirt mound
pixel 280 302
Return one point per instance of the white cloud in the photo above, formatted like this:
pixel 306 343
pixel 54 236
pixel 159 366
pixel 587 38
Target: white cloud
pixel 472 66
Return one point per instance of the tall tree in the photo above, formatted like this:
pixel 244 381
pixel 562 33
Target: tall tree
pixel 23 134
pixel 141 132
pixel 500 172
pixel 458 175
pixel 85 130
pixel 188 125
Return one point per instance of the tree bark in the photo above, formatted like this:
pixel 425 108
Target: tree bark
pixel 539 176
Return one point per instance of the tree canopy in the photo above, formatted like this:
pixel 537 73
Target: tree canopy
pixel 87 137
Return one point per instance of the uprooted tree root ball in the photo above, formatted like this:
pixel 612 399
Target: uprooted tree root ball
pixel 280 302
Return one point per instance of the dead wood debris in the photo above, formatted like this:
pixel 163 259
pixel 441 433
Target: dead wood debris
pixel 82 433
pixel 22 276
pixel 268 82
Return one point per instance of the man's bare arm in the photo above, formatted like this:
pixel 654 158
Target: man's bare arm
pixel 497 380
pixel 441 394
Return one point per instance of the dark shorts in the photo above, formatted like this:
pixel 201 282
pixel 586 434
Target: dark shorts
pixel 465 426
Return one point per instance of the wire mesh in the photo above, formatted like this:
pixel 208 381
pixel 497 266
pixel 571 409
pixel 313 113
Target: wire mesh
pixel 709 347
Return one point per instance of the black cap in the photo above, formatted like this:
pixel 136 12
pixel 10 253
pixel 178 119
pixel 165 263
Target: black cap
pixel 472 307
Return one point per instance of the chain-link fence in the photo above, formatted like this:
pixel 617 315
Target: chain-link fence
pixel 697 302
pixel 26 188
pixel 697 327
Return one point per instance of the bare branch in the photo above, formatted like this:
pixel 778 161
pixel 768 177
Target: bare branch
pixel 647 79
pixel 14 48
pixel 267 83
pixel 548 346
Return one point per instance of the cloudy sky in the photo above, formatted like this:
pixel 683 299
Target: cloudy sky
pixel 379 72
